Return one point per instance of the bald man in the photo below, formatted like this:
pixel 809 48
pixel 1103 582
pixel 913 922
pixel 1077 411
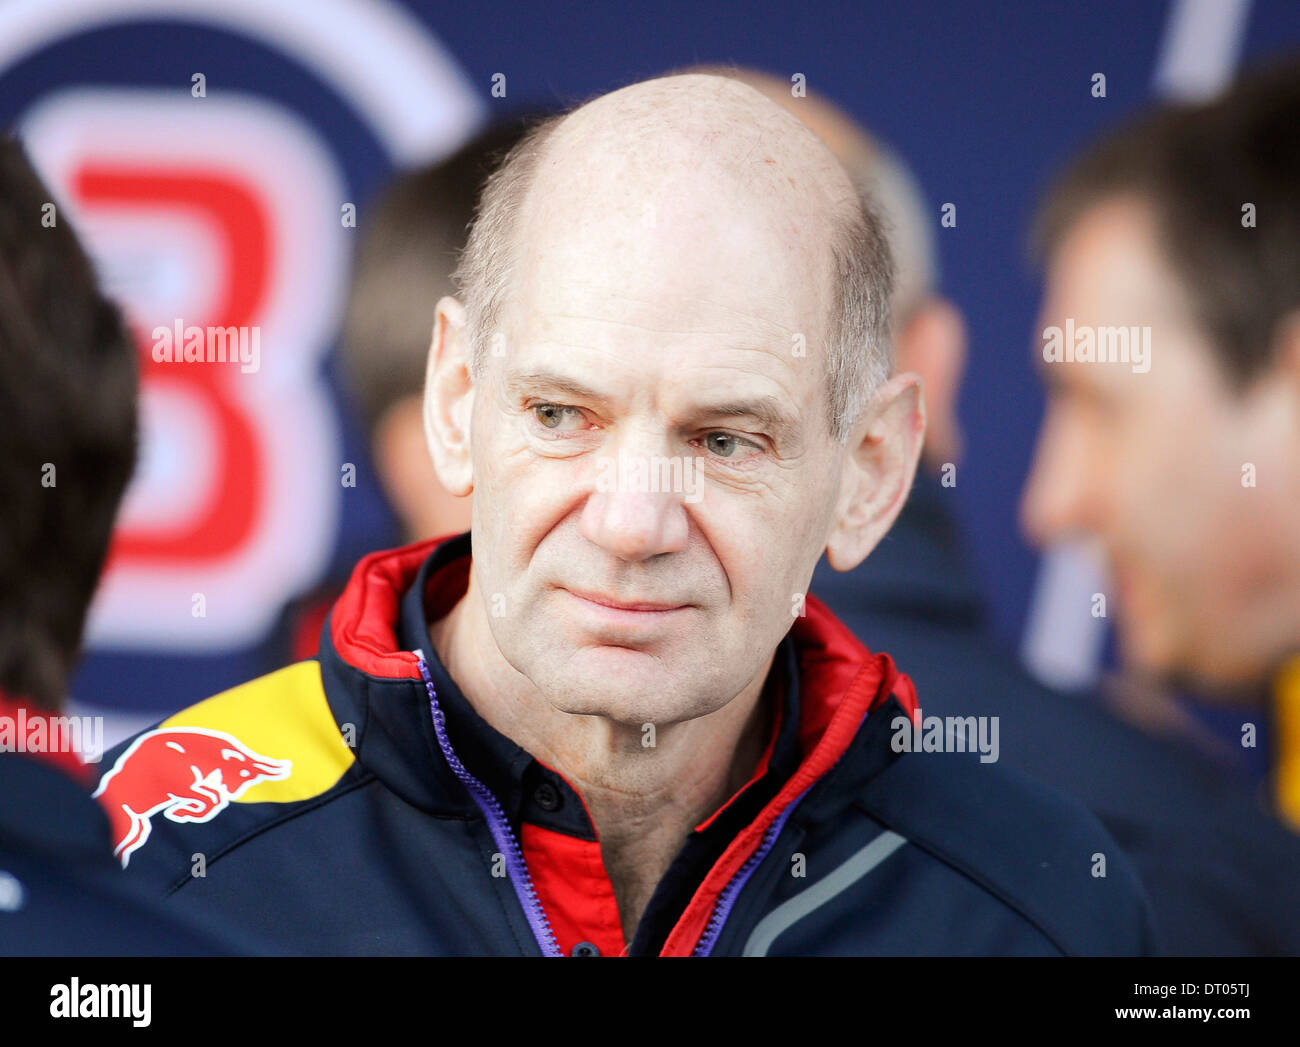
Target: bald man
pixel 620 726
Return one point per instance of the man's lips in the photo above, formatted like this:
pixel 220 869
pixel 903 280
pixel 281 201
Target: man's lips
pixel 643 606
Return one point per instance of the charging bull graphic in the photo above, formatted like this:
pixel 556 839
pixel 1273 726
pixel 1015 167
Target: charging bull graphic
pixel 188 774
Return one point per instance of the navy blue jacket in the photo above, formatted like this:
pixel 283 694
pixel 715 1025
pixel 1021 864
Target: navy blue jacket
pixel 357 804
pixel 1221 873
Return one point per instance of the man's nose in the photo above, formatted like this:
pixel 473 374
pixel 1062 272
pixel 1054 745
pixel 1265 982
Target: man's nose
pixel 1057 501
pixel 636 510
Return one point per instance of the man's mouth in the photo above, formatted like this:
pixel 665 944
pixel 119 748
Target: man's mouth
pixel 637 606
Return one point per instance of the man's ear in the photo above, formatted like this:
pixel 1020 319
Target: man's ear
pixel 879 467
pixel 449 399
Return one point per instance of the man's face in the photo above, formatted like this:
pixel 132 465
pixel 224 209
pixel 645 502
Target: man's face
pixel 1152 463
pixel 608 463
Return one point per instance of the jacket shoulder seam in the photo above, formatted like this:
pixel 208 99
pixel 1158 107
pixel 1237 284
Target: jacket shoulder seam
pixel 964 868
pixel 295 810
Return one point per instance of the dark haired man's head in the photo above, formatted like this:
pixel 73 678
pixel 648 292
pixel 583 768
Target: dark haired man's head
pixel 1180 234
pixel 68 383
pixel 410 239
pixel 1217 180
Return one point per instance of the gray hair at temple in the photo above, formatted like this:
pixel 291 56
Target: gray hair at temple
pixel 859 355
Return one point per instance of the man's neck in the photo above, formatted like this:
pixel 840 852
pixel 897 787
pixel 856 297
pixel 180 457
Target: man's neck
pixel 643 800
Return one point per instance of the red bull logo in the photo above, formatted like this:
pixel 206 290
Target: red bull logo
pixel 186 774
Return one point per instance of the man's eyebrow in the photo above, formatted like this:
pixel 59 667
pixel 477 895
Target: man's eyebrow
pixel 521 381
pixel 766 410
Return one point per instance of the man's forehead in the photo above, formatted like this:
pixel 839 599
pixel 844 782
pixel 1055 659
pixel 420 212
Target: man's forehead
pixel 591 290
pixel 1108 279
pixel 678 145
pixel 1110 262
pixel 646 326
pixel 690 248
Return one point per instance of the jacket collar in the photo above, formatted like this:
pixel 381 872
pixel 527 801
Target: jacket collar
pixel 373 679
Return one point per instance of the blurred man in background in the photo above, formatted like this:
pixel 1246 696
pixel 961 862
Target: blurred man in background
pixel 410 238
pixel 1183 228
pixel 68 380
pixel 1220 873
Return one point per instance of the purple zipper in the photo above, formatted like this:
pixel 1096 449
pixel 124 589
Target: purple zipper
pixel 727 898
pixel 498 824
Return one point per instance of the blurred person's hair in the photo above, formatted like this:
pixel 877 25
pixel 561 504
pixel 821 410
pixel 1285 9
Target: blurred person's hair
pixel 68 384
pixel 859 356
pixel 875 168
pixel 892 184
pixel 1195 167
pixel 410 238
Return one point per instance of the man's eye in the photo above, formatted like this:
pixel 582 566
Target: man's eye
pixel 551 415
pixel 724 445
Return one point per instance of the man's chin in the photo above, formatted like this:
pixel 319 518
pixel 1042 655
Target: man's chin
pixel 1147 650
pixel 1177 665
pixel 625 686
pixel 634 710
